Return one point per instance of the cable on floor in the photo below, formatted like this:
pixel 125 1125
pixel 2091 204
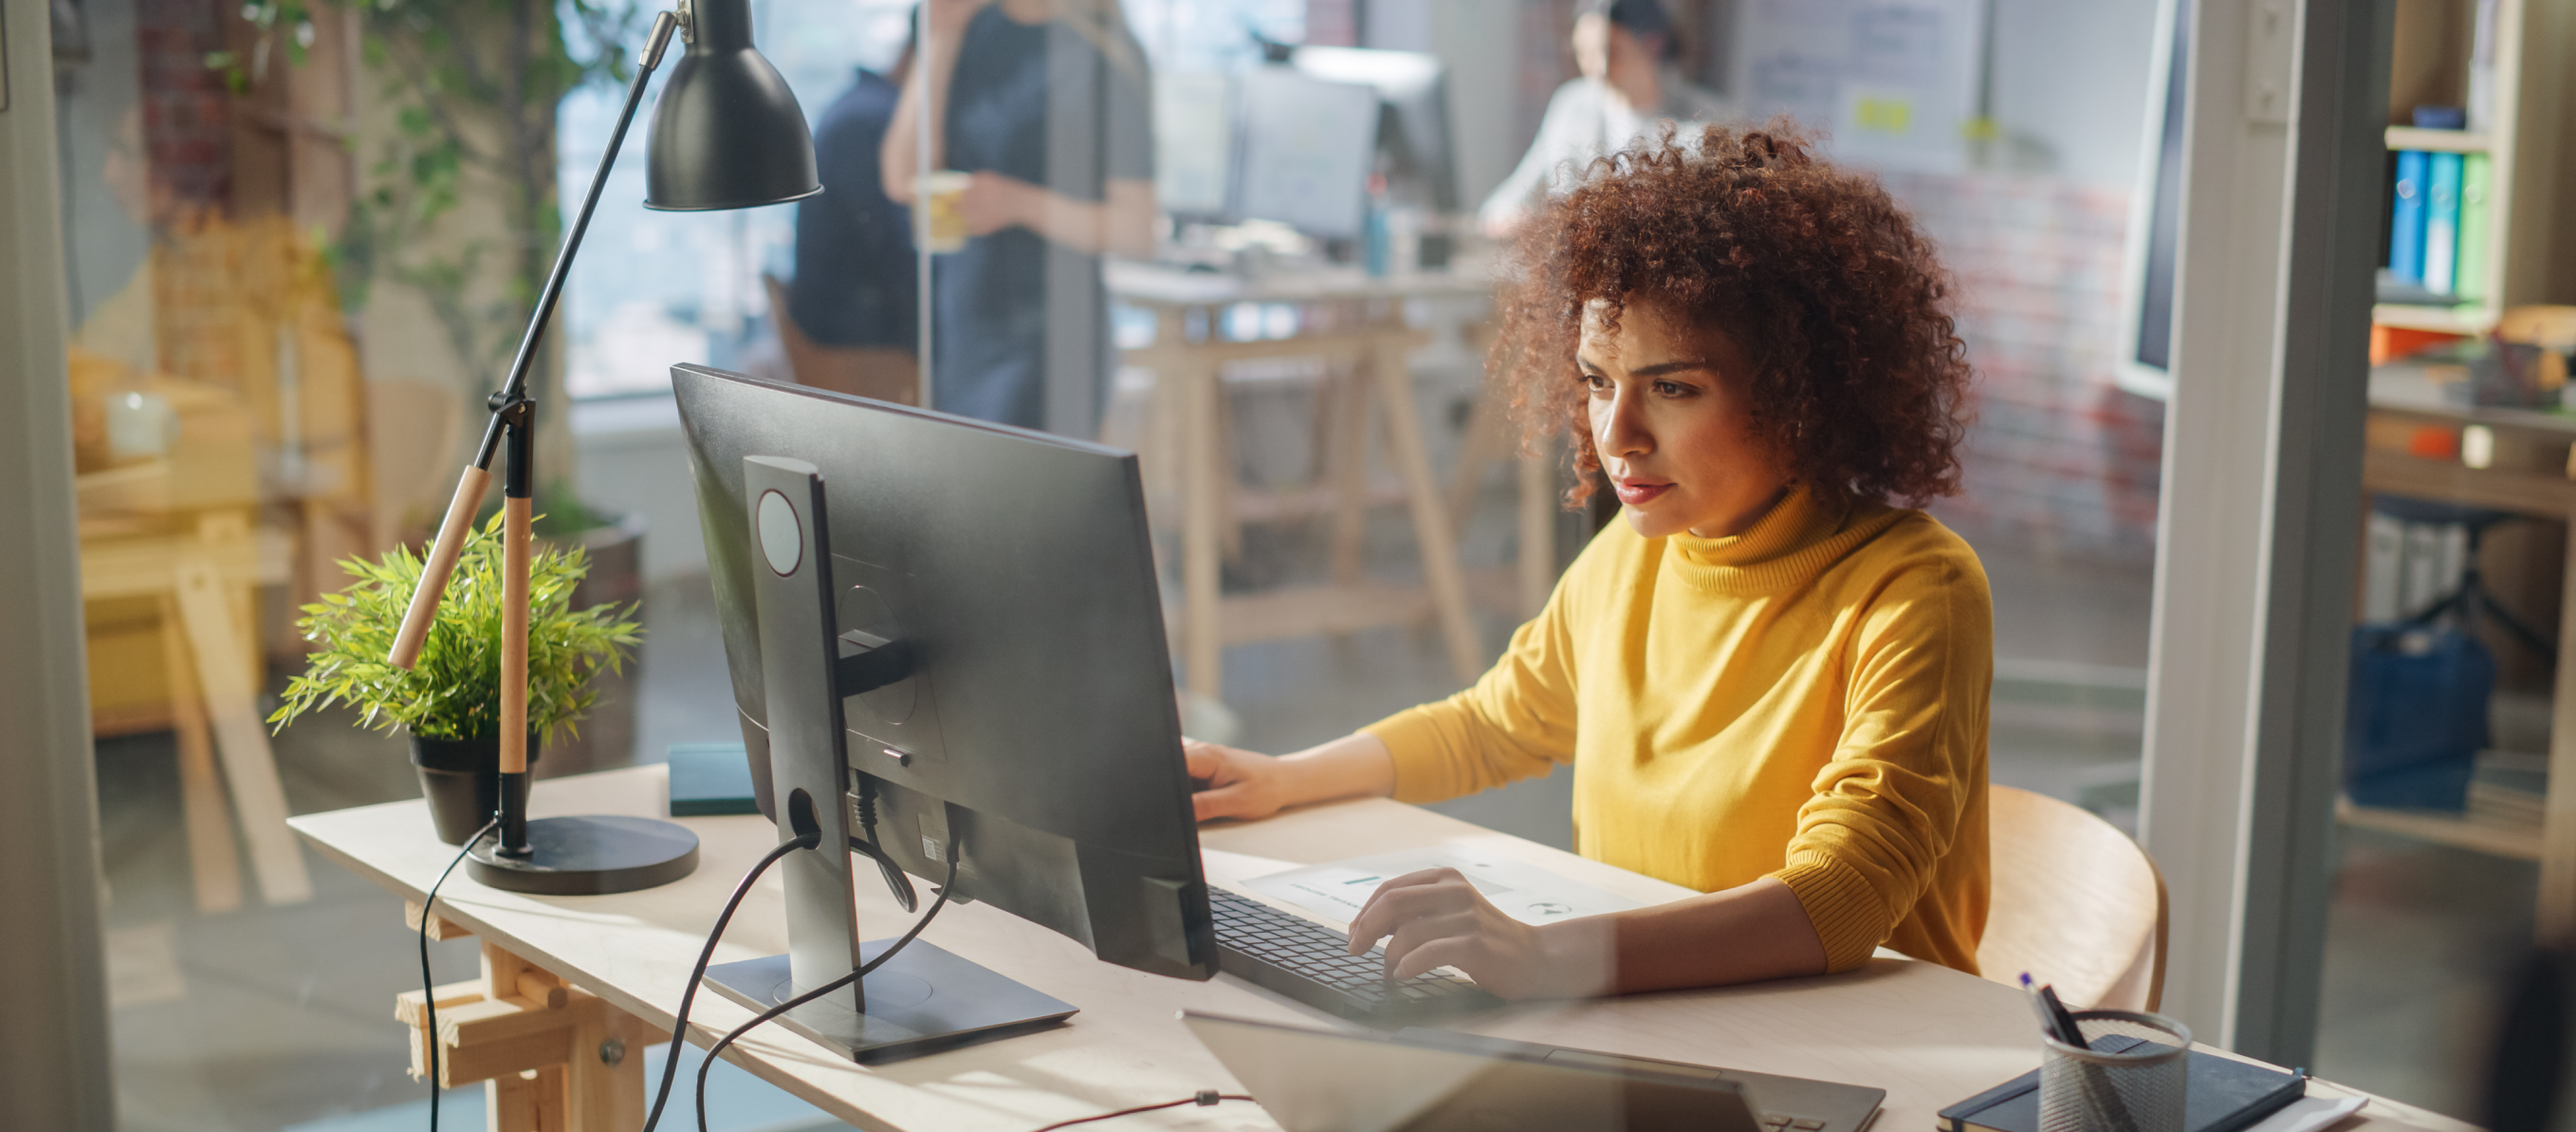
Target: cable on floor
pixel 429 990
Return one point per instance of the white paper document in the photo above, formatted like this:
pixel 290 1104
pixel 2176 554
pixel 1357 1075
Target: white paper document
pixel 1523 891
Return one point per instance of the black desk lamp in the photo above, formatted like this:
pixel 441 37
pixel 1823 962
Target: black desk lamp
pixel 726 134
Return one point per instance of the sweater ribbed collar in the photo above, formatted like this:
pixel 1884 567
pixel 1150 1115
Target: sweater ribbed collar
pixel 1792 543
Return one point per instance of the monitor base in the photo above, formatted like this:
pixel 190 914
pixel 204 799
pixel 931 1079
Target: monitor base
pixel 588 856
pixel 922 1001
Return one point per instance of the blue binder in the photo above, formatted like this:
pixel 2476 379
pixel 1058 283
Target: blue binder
pixel 2406 231
pixel 2442 223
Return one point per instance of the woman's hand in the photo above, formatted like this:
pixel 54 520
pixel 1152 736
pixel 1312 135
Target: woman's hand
pixel 993 202
pixel 1435 918
pixel 1241 784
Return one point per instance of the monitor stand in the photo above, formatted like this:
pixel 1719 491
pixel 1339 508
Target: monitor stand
pixel 924 1000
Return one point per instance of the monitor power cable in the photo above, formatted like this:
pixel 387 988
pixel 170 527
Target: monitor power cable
pixel 809 834
pixel 1206 1098
pixel 428 990
pixel 955 851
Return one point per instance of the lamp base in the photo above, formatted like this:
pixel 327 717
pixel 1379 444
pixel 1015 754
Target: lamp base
pixel 924 1000
pixel 588 856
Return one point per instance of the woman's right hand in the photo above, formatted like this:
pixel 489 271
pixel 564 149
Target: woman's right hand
pixel 1233 783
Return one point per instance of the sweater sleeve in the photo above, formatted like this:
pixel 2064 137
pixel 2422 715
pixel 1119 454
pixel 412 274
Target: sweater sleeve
pixel 1887 806
pixel 1516 722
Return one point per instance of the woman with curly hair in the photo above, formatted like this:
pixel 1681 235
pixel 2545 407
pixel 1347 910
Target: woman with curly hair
pixel 1771 679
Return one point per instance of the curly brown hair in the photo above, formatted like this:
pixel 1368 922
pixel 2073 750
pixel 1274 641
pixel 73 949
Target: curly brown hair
pixel 1841 305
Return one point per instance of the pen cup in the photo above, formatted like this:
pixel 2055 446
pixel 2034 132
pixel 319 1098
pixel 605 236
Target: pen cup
pixel 2137 1085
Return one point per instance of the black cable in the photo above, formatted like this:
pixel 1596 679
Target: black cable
pixel 680 1026
pixel 428 989
pixel 1204 1099
pixel 864 971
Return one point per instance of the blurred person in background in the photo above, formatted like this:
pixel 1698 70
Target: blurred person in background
pixel 857 285
pixel 1629 87
pixel 1046 106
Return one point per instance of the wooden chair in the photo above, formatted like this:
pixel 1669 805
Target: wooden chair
pixel 865 371
pixel 2076 903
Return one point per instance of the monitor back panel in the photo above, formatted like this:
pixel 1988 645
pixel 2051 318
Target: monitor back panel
pixel 1039 727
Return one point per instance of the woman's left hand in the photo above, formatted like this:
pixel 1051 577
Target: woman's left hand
pixel 993 202
pixel 1435 918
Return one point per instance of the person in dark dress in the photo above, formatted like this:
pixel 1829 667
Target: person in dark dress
pixel 1047 106
pixel 856 281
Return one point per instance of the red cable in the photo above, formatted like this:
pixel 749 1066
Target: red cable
pixel 1205 1098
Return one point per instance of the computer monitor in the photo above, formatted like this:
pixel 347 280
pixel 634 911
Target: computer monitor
pixel 989 593
pixel 1193 143
pixel 1308 146
pixel 1413 121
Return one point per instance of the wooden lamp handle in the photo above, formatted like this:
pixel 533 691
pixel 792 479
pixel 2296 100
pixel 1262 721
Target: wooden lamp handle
pixel 441 563
pixel 517 512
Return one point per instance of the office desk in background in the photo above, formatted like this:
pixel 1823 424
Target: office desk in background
pixel 2526 470
pixel 1357 325
pixel 1928 1035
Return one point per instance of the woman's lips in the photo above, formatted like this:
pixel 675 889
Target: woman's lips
pixel 1638 493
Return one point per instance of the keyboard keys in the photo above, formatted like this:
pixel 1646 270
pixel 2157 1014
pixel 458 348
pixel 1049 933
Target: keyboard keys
pixel 1313 964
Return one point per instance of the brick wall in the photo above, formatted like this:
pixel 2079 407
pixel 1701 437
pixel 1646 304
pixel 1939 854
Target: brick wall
pixel 2059 456
pixel 186 126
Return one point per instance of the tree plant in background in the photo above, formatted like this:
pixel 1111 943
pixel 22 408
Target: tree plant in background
pixel 450 702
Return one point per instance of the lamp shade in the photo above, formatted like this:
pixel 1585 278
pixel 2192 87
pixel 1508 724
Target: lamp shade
pixel 727 132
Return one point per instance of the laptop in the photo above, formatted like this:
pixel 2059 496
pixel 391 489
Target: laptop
pixel 1422 1080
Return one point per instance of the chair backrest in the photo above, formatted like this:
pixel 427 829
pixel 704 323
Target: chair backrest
pixel 882 374
pixel 2076 904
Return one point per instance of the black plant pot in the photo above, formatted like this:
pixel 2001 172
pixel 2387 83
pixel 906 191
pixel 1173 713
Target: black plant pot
pixel 462 780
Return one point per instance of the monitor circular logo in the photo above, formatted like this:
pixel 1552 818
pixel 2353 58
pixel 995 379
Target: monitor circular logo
pixel 782 536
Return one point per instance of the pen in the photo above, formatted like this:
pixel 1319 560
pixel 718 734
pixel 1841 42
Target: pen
pixel 2068 1030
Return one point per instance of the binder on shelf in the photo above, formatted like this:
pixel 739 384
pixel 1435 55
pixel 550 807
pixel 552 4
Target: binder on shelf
pixel 2441 221
pixel 2469 278
pixel 2406 229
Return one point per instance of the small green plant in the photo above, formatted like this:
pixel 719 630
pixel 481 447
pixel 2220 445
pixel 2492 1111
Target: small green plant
pixel 454 691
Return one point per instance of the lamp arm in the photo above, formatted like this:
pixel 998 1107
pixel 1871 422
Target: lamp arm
pixel 440 563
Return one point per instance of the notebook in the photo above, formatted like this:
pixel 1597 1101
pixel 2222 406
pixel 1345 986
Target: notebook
pixel 710 778
pixel 2225 1095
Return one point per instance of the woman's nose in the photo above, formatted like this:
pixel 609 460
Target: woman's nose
pixel 1617 430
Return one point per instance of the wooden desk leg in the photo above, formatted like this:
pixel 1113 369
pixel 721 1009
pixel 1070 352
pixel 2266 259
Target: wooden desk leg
pixel 1203 641
pixel 211 859
pixel 1487 436
pixel 1350 454
pixel 232 700
pixel 1430 526
pixel 552 1058
pixel 2558 821
pixel 1536 570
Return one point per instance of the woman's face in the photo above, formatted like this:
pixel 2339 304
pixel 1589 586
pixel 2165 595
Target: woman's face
pixel 1673 423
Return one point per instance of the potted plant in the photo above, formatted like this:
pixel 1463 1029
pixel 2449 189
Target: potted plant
pixel 450 701
pixel 614 546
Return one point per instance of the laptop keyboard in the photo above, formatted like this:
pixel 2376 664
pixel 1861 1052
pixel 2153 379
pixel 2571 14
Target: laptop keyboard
pixel 1311 963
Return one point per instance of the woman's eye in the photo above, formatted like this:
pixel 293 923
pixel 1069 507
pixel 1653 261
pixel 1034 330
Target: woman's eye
pixel 1671 389
pixel 1593 381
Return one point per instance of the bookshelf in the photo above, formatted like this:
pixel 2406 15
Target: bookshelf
pixel 2526 248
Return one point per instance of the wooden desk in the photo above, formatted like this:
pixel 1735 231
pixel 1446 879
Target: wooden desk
pixel 1928 1035
pixel 2528 472
pixel 1357 325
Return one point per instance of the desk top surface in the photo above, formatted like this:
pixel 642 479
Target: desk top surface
pixel 1928 1035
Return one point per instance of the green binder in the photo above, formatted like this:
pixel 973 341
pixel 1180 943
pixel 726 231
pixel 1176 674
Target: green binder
pixel 2476 221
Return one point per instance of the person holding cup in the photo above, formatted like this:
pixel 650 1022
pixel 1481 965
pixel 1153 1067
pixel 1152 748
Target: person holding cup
pixel 1041 160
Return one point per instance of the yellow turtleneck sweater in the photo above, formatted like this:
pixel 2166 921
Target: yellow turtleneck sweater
pixel 1806 700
